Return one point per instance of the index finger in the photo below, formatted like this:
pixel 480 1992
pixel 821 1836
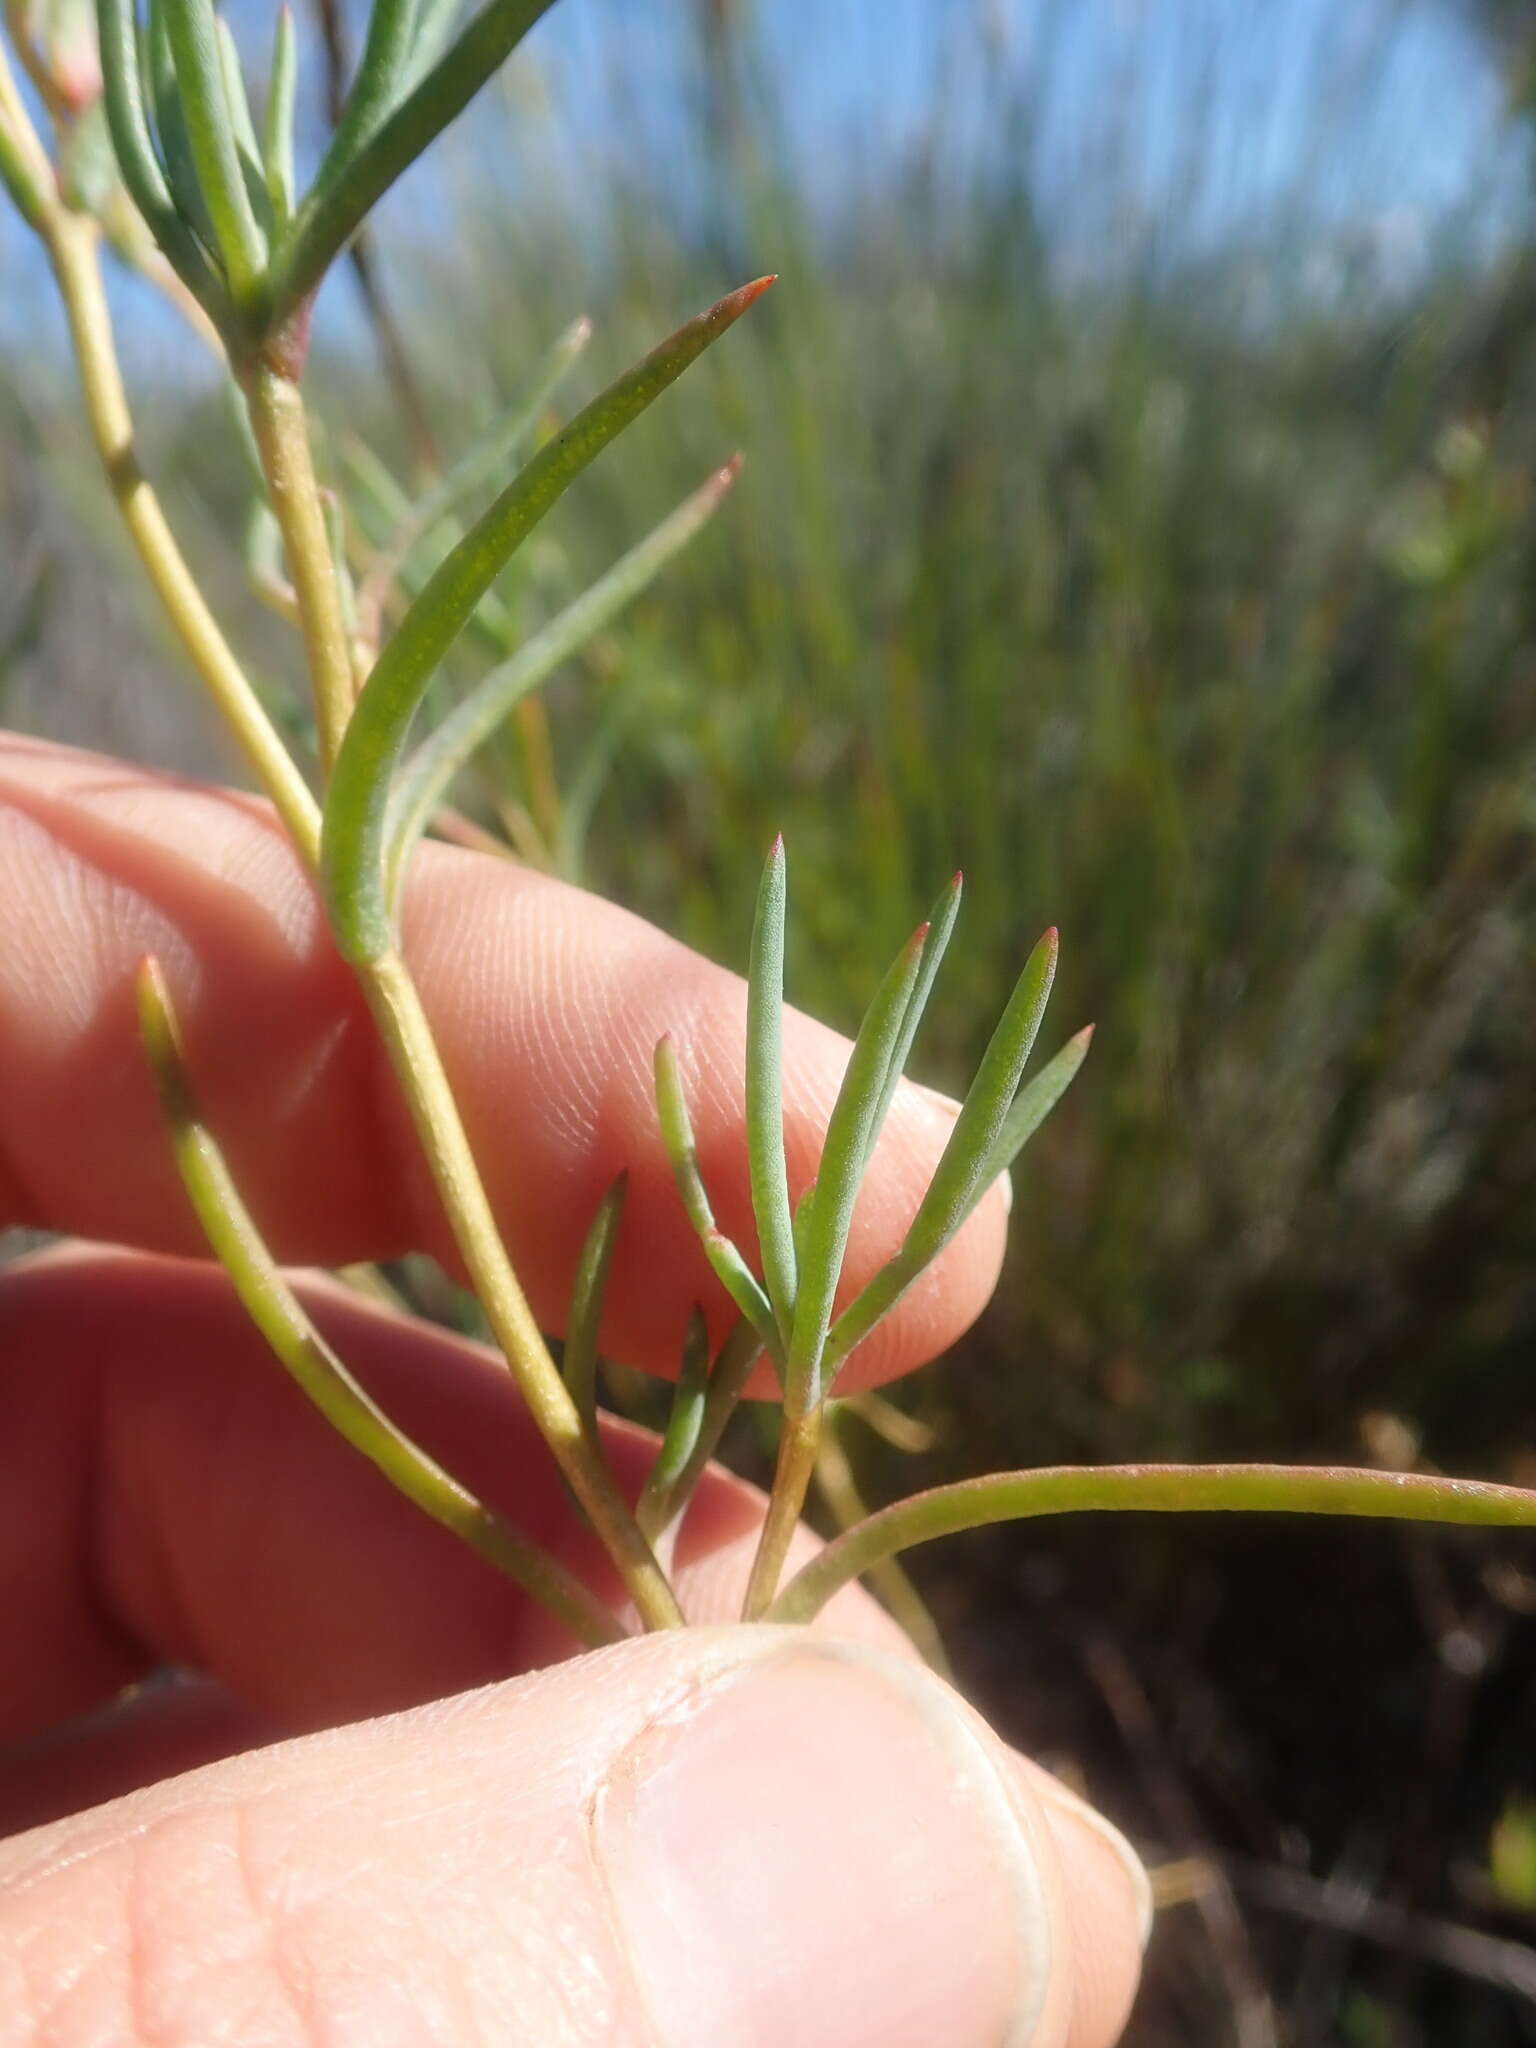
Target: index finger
pixel 546 1002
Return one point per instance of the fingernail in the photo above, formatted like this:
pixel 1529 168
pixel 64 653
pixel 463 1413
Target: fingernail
pixel 1106 1836
pixel 820 1848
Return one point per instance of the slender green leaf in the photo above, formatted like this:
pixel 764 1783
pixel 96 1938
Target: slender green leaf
pixel 665 1497
pixel 375 87
pixel 435 23
pixel 824 1236
pixel 356 811
pixel 426 776
pixel 765 1089
pixel 491 457
pixel 941 923
pixel 496 450
pixel 337 204
pixel 133 146
pixel 1147 1489
pixel 247 147
pixel 581 1330
pixel 277 1313
pixel 922 1245
pixel 157 67
pixel 277 123
pixel 731 1269
pixel 215 150
pixel 1033 1104
pixel 685 1422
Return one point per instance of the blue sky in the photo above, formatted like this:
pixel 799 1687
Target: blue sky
pixel 1171 124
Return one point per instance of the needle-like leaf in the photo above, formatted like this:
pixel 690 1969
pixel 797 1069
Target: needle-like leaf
pixel 822 1237
pixel 663 1501
pixel 356 812
pixel 731 1269
pixel 277 1313
pixel 765 1094
pixel 491 457
pixel 211 132
pixel 338 202
pixel 133 146
pixel 277 122
pixel 929 1234
pixel 685 1422
pixel 941 923
pixel 375 86
pixel 580 1361
pixel 424 780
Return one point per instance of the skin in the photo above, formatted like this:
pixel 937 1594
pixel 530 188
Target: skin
pixel 390 1805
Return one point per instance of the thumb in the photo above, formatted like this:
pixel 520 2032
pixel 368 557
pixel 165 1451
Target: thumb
pixel 718 1837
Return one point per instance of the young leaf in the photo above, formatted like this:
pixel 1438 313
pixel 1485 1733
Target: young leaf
pixel 665 1498
pixel 1147 1489
pixel 926 1238
pixel 424 780
pixel 731 1269
pixel 247 148
pixel 356 809
pixel 338 203
pixel 685 1423
pixel 313 1364
pixel 215 151
pixel 580 1361
pixel 765 1101
pixel 133 146
pixel 823 1238
pixel 941 923
pixel 277 122
pixel 375 87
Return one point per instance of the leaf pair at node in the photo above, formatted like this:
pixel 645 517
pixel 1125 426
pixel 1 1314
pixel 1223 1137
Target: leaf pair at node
pixel 803 1246
pixel 218 192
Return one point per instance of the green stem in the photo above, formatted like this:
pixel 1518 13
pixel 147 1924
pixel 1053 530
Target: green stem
pixel 71 241
pixel 282 436
pixel 839 1490
pixel 799 1442
pixel 403 1023
pixel 1147 1489
pixel 314 1365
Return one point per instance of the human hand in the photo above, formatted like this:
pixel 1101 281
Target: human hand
pixel 720 1836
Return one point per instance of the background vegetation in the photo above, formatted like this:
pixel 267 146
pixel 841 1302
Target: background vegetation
pixel 1138 512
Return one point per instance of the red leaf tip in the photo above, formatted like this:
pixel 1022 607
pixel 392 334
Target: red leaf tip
pixel 776 851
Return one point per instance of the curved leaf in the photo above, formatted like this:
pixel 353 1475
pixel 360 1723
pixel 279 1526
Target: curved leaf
pixel 356 811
